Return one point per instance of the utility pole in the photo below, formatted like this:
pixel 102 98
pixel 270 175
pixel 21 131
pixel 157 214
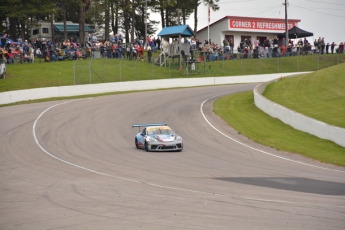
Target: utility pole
pixel 286 25
pixel 178 16
pixel 145 38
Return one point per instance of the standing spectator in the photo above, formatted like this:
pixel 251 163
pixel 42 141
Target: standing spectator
pixel 94 38
pixel 256 43
pixel 155 42
pixel 152 45
pixel 158 43
pixel 275 42
pixel 225 44
pixel 148 40
pixel 319 41
pixel 284 42
pixel 116 38
pixel 149 54
pixel 305 46
pixel 191 50
pixel 121 49
pixel 176 45
pixel 43 44
pixel 341 47
pixel 140 51
pixel 242 46
pixel 193 44
pixel 327 48
pixel 332 47
pixel 2 54
pixel 128 51
pixel 231 46
pixel 268 48
pixel 322 47
pixel 294 50
pixel 316 46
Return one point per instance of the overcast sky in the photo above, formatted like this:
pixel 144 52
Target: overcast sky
pixel 324 18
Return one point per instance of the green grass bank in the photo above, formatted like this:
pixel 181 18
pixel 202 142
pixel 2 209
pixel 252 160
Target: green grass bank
pixel 320 95
pixel 46 74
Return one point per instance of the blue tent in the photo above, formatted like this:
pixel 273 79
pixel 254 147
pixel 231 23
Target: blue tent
pixel 177 31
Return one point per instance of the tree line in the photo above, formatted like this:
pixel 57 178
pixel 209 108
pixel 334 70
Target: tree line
pixel 125 16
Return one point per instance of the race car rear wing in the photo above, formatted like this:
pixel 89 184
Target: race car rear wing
pixel 145 125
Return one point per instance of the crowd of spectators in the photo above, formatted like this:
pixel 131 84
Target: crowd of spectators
pixel 25 51
pixel 265 48
pixel 46 50
pixel 116 48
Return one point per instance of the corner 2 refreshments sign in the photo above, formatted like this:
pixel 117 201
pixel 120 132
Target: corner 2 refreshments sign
pixel 260 24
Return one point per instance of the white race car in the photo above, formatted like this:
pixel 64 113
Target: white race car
pixel 157 137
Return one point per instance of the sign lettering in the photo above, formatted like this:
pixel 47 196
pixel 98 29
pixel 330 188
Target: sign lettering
pixel 260 25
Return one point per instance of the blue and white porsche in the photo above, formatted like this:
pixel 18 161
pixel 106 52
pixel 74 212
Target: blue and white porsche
pixel 157 137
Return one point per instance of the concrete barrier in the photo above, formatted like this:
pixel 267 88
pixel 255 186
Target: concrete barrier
pixel 77 90
pixel 297 120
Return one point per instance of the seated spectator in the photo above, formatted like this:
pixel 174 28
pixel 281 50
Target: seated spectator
pixel 10 56
pixel 39 53
pixel 215 55
pixel 27 58
pixel 78 54
pixel 3 53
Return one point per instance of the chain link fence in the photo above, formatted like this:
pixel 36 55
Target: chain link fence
pixel 100 69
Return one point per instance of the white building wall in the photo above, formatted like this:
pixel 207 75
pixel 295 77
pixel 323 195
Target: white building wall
pixel 219 29
pixel 216 33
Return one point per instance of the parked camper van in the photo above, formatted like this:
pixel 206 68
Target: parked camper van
pixel 44 30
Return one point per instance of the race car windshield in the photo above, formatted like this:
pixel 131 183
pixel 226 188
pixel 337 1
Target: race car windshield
pixel 158 131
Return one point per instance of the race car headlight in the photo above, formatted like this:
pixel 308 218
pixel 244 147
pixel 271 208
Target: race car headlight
pixel 178 138
pixel 151 139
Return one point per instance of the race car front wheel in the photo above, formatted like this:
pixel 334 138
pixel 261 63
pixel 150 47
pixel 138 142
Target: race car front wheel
pixel 146 147
pixel 136 143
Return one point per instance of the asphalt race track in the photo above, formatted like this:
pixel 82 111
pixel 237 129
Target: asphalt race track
pixel 73 165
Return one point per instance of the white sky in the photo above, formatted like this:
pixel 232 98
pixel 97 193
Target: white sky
pixel 324 18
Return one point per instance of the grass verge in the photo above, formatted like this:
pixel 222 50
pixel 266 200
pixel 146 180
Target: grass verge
pixel 240 112
pixel 47 74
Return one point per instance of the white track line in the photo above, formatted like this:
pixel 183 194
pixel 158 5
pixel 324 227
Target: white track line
pixel 248 146
pixel 105 174
pixel 152 184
